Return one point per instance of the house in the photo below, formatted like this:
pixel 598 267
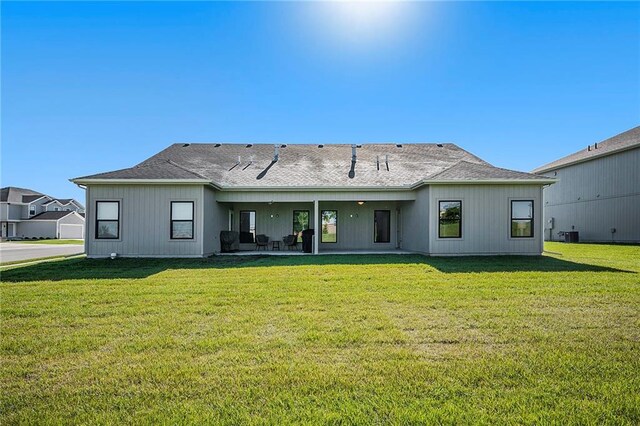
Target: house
pixel 597 192
pixel 25 213
pixel 435 199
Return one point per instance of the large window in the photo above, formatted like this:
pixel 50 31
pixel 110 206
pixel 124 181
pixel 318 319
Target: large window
pixel 522 219
pixel 247 226
pixel 450 219
pixel 182 220
pixel 300 222
pixel 107 220
pixel 329 226
pixel 382 226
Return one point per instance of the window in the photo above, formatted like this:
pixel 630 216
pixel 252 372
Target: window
pixel 107 220
pixel 522 219
pixel 182 220
pixel 300 222
pixel 32 210
pixel 329 226
pixel 247 226
pixel 382 226
pixel 450 219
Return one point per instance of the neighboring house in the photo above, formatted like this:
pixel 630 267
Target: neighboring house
pixel 597 191
pixel 434 199
pixel 25 213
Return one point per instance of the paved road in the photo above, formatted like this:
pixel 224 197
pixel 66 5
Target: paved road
pixel 10 252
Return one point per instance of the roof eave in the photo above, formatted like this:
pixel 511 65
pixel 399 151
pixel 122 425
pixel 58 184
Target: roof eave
pixel 546 168
pixel 547 181
pixel 97 181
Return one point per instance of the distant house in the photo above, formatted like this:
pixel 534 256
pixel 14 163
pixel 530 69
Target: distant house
pixel 597 191
pixel 435 199
pixel 25 213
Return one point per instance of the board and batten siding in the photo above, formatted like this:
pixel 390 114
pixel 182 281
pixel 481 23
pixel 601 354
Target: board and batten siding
pixel 415 222
pixel 486 220
pixel 356 226
pixel 595 196
pixel 145 220
pixel 216 219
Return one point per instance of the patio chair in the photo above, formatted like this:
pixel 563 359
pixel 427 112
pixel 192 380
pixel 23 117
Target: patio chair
pixel 262 241
pixel 291 242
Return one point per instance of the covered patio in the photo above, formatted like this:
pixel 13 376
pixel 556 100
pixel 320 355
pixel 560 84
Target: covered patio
pixel 358 223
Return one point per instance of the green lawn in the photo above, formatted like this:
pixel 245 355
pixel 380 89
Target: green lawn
pixel 325 339
pixel 50 241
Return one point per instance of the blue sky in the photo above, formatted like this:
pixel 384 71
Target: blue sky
pixel 91 87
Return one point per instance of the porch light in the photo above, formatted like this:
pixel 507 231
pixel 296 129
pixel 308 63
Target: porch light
pixel 360 203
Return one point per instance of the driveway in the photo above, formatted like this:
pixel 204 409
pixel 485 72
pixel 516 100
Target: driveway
pixel 10 252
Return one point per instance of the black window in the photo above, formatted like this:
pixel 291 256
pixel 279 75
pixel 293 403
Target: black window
pixel 182 220
pixel 329 226
pixel 300 222
pixel 107 220
pixel 382 226
pixel 32 210
pixel 522 219
pixel 247 226
pixel 450 219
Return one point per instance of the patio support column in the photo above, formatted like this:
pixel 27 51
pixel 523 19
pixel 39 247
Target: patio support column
pixel 316 220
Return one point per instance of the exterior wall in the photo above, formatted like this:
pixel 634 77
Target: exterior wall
pixel 595 196
pixel 144 220
pixel 415 217
pixel 216 219
pixel 355 225
pixel 310 196
pixel 486 220
pixel 276 227
pixel 37 229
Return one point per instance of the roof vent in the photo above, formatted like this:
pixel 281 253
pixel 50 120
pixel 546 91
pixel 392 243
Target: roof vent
pixel 588 147
pixel 352 171
pixel 185 145
pixel 439 145
pixel 276 153
pixel 321 146
pixel 378 162
pixel 359 146
pixel 216 145
pixel 386 160
pixel 249 145
pixel 398 145
pixel 595 146
pixel 283 145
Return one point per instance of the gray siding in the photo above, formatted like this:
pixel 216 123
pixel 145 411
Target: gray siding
pixel 486 220
pixel 216 219
pixel 37 229
pixel 144 220
pixel 595 196
pixel 415 216
pixel 355 225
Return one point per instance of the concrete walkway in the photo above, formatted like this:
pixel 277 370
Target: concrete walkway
pixel 11 252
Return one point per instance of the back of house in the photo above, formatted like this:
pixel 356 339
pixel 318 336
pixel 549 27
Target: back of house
pixel 426 198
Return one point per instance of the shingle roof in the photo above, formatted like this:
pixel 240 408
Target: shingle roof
pixel 14 194
pixel 303 166
pixel 623 141
pixel 50 215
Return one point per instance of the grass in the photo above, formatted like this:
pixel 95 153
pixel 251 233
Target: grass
pixel 325 339
pixel 52 241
